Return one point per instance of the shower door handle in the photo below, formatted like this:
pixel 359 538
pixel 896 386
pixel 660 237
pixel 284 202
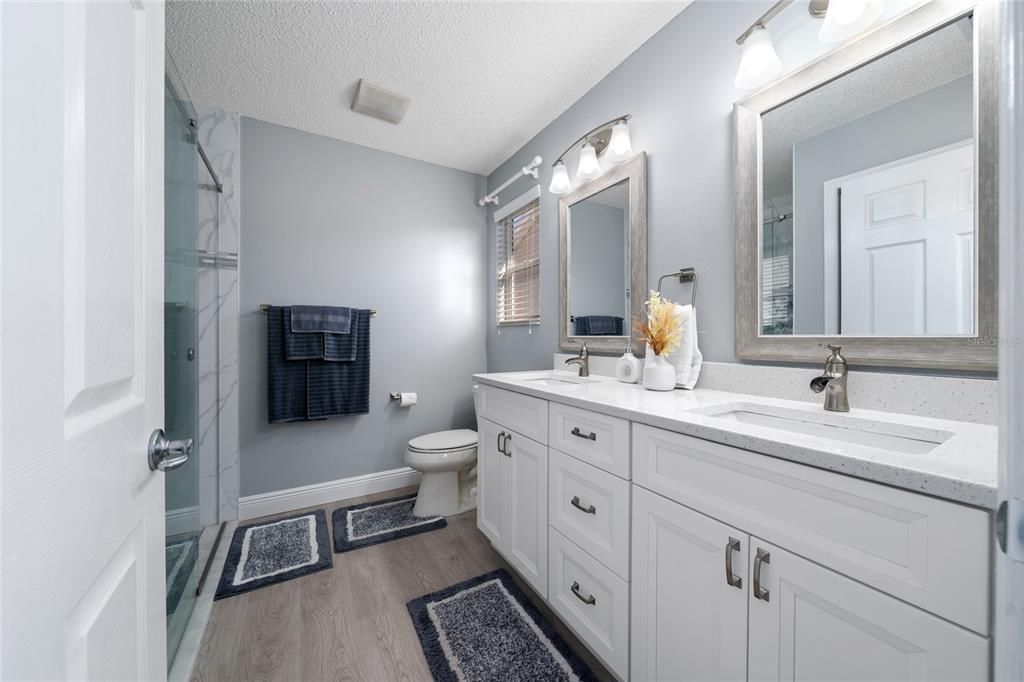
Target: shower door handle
pixel 165 454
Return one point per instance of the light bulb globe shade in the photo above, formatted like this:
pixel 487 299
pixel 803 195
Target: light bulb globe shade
pixel 588 166
pixel 560 183
pixel 619 146
pixel 847 18
pixel 759 62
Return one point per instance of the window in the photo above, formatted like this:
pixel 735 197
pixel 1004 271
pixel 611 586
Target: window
pixel 519 260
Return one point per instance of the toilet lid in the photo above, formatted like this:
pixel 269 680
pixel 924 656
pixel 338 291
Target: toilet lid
pixel 444 440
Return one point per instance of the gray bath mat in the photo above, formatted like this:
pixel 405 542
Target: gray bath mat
pixel 271 552
pixel 486 629
pixel 371 523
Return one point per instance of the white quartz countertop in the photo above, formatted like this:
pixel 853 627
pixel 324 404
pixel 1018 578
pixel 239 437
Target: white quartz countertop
pixel 962 468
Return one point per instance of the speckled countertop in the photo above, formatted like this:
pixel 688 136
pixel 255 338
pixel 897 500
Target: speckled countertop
pixel 961 468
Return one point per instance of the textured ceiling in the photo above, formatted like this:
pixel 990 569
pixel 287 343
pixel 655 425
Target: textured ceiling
pixel 925 64
pixel 484 76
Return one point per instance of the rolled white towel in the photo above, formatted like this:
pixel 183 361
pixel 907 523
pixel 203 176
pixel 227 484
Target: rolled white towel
pixel 687 359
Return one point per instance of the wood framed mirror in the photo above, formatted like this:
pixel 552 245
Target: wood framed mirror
pixel 602 228
pixel 867 199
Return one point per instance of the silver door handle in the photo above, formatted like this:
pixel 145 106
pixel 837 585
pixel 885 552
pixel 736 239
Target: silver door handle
pixel 579 434
pixel 508 439
pixel 589 509
pixel 731 579
pixel 501 446
pixel 762 557
pixel 165 454
pixel 589 600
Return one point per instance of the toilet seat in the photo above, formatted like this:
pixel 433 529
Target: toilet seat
pixel 444 441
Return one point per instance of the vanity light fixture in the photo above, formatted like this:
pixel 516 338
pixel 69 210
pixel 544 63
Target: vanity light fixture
pixel 604 146
pixel 844 19
pixel 847 18
pixel 588 166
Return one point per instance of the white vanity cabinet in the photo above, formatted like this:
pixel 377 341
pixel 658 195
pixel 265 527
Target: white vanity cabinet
pixel 689 609
pixel 512 482
pixel 809 623
pixel 677 558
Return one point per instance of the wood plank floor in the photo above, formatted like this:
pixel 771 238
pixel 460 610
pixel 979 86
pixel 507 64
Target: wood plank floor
pixel 350 622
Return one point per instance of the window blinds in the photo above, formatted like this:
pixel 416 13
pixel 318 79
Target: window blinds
pixel 519 265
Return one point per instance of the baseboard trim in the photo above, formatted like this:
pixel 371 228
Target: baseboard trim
pixel 184 520
pixel 264 504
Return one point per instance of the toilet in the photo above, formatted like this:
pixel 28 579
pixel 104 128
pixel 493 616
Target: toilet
pixel 447 460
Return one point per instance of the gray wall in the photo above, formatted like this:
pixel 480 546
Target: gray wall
pixel 678 86
pixel 327 222
pixel 932 119
pixel 597 276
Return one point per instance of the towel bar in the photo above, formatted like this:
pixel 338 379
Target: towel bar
pixel 263 307
pixel 684 275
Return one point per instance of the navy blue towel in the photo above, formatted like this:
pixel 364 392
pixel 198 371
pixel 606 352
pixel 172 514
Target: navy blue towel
pixel 598 325
pixel 317 346
pixel 304 390
pixel 320 318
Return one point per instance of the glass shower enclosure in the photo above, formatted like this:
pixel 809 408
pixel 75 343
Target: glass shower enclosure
pixel 188 182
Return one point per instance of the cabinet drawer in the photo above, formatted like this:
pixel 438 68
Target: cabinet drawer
pixel 522 413
pixel 929 552
pixel 595 438
pixel 591 507
pixel 591 600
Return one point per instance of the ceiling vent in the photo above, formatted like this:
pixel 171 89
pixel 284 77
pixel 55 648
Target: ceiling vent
pixel 373 100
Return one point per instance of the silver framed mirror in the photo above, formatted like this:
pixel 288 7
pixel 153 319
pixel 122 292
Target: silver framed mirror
pixel 602 229
pixel 867 199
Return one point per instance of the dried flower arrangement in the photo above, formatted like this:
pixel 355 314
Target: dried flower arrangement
pixel 661 330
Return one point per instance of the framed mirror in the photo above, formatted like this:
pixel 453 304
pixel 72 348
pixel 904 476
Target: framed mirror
pixel 867 200
pixel 602 229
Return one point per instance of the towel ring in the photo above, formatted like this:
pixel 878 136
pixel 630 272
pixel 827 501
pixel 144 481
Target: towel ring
pixel 684 275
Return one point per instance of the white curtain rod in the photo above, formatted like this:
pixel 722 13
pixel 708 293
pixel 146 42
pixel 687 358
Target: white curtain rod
pixel 528 169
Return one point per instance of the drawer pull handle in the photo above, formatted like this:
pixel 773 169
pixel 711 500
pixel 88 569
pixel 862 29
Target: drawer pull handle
pixel 501 442
pixel 762 557
pixel 588 600
pixel 731 579
pixel 589 509
pixel 505 450
pixel 587 436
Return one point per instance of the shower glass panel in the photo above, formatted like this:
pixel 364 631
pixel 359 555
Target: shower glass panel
pixel 183 177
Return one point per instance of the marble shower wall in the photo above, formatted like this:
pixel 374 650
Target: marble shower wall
pixel 218 133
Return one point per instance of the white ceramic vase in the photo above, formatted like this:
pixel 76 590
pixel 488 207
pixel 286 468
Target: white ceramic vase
pixel 659 374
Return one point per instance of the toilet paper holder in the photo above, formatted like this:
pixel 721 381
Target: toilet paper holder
pixel 395 396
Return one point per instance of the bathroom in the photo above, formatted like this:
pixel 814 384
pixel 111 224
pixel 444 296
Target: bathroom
pixel 532 458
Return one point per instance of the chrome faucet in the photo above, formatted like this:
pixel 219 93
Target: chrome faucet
pixel 833 382
pixel 583 360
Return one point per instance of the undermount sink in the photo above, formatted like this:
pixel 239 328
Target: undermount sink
pixel 556 379
pixel 894 437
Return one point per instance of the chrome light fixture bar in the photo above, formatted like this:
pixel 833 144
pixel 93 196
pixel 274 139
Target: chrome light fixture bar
pixel 610 141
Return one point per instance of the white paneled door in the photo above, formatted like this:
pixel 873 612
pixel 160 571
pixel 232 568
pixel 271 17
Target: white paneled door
pixel 906 236
pixel 82 346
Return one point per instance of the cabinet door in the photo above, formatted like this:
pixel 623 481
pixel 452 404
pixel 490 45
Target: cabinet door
pixel 526 542
pixel 688 622
pixel 815 624
pixel 491 484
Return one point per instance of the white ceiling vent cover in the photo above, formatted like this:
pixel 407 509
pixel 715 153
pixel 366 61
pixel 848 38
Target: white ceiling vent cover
pixel 379 102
